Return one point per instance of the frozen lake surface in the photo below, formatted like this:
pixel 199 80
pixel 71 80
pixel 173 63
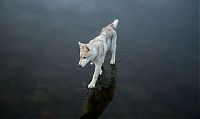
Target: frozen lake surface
pixel 156 73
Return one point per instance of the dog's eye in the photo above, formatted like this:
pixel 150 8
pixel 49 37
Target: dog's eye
pixel 84 57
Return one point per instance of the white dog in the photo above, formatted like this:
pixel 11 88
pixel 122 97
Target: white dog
pixel 95 51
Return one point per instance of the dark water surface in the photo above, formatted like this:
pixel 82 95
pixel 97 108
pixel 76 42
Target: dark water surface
pixel 156 74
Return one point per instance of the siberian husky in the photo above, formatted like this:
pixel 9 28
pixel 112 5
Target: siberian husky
pixel 95 51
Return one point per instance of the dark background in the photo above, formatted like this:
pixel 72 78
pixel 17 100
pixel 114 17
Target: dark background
pixel 157 57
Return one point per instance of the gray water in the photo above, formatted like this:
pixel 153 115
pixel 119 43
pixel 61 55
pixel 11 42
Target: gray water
pixel 155 76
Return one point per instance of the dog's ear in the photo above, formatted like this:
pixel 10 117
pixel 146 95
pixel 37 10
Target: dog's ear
pixel 85 48
pixel 88 49
pixel 80 44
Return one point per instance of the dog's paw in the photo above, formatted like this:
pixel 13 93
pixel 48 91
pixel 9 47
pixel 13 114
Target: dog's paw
pixel 112 62
pixel 101 72
pixel 91 85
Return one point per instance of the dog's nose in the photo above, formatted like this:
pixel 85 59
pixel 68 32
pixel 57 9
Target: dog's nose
pixel 79 65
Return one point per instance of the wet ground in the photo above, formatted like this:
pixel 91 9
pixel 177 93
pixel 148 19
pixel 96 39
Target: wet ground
pixel 155 76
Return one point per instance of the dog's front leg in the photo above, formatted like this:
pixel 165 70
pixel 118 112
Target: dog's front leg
pixel 95 75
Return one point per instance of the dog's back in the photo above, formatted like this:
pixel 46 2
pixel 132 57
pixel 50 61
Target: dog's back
pixel 109 29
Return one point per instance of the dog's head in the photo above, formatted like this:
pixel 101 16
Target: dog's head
pixel 85 54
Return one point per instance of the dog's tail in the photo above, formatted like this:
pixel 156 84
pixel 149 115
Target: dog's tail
pixel 115 23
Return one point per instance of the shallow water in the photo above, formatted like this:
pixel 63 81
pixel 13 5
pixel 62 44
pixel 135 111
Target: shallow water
pixel 156 73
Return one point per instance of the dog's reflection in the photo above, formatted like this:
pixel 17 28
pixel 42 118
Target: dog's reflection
pixel 100 97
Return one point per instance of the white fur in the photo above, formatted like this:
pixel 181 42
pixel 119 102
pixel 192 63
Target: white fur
pixel 95 51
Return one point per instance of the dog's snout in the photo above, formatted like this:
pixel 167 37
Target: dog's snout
pixel 79 65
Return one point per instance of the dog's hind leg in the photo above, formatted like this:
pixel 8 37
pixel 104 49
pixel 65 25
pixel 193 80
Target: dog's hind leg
pixel 113 47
